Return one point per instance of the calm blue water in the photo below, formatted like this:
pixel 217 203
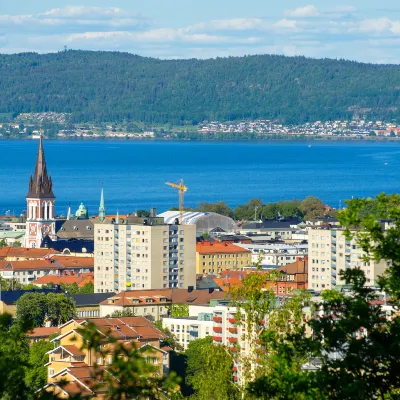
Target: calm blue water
pixel 134 173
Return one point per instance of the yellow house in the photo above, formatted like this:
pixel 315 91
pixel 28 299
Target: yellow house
pixel 212 258
pixel 75 365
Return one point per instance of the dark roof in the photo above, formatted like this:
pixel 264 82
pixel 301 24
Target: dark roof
pixel 273 224
pixel 77 228
pixel 217 229
pixel 206 283
pixel 91 299
pixel 40 185
pixel 12 296
pixel 73 245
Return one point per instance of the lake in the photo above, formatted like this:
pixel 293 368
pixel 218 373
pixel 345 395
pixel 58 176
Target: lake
pixel 134 173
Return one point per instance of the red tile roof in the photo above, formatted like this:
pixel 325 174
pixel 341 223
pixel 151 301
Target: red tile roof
pixel 172 296
pixel 25 252
pixel 79 279
pixel 219 248
pixel 42 332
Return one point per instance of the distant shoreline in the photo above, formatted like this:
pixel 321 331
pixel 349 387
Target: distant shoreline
pixel 287 138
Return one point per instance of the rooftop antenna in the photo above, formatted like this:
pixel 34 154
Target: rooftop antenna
pixel 65 48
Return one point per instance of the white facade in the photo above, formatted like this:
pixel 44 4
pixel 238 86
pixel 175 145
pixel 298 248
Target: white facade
pixel 138 256
pixel 275 254
pixel 186 329
pixel 330 253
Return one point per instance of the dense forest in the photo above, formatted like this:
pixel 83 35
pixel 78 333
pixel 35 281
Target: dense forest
pixel 114 87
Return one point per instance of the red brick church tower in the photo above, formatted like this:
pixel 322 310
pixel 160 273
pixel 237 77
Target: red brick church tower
pixel 40 204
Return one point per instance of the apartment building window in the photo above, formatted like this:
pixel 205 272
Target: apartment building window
pixel 51 371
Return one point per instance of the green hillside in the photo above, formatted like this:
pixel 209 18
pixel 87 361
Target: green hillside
pixel 111 86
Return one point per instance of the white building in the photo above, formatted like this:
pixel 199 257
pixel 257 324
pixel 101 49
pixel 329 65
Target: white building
pixel 330 253
pixel 279 254
pixel 143 253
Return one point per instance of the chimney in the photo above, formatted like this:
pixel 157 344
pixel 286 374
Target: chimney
pixel 210 290
pixel 190 289
pixel 153 212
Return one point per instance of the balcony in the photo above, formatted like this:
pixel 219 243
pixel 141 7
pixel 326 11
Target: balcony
pixel 194 333
pixel 217 319
pixel 232 320
pixel 233 349
pixel 217 338
pixel 217 329
pixel 232 330
pixel 233 339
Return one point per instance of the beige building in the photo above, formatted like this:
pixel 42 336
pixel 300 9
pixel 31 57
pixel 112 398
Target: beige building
pixel 214 257
pixel 330 252
pixel 138 253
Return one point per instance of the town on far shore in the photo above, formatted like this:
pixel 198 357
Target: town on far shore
pixel 59 126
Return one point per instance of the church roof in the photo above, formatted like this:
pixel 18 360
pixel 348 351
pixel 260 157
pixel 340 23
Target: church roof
pixel 40 185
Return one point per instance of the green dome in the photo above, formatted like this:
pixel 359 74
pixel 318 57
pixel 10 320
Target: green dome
pixel 81 212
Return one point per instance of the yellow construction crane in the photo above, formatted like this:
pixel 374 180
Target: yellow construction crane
pixel 182 189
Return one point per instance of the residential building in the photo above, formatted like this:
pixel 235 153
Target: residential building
pixel 24 254
pixel 67 278
pixel 42 333
pixel 330 252
pixel 71 362
pixel 214 257
pixel 276 254
pixel 276 229
pixel 40 204
pixel 192 327
pixel 143 253
pixel 88 304
pixel 28 271
pixel 156 304
pixel 291 277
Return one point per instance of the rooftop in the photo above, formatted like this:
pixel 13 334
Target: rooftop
pixel 219 248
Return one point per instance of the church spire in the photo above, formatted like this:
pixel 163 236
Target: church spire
pixel 102 208
pixel 40 185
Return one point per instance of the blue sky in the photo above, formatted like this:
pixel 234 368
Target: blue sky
pixel 365 30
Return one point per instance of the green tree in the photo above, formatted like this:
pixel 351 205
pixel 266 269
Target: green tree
pixel 220 208
pixel 252 209
pixel 60 308
pixel 356 336
pixel 87 288
pixel 31 309
pixel 143 213
pixel 14 359
pixel 270 211
pixel 34 309
pixel 36 372
pixel 209 369
pixel 312 207
pixel 170 340
pixel 3 243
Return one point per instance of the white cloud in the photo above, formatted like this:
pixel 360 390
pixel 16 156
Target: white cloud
pixel 302 12
pixel 287 24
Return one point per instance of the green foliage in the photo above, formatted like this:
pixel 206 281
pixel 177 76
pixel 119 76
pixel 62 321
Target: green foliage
pixel 143 213
pixel 250 210
pixel 10 284
pixel 34 309
pixel 113 87
pixel 87 288
pixel 209 369
pixel 312 207
pixel 170 339
pixel 178 310
pixel 126 312
pixel 14 359
pixel 36 372
pixel 3 243
pixel 220 208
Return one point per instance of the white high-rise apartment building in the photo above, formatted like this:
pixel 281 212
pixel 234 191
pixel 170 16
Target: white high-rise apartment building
pixel 329 253
pixel 143 253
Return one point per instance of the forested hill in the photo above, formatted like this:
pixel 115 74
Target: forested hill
pixel 111 86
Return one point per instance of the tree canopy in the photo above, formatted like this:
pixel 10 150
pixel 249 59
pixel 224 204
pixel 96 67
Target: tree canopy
pixel 113 87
